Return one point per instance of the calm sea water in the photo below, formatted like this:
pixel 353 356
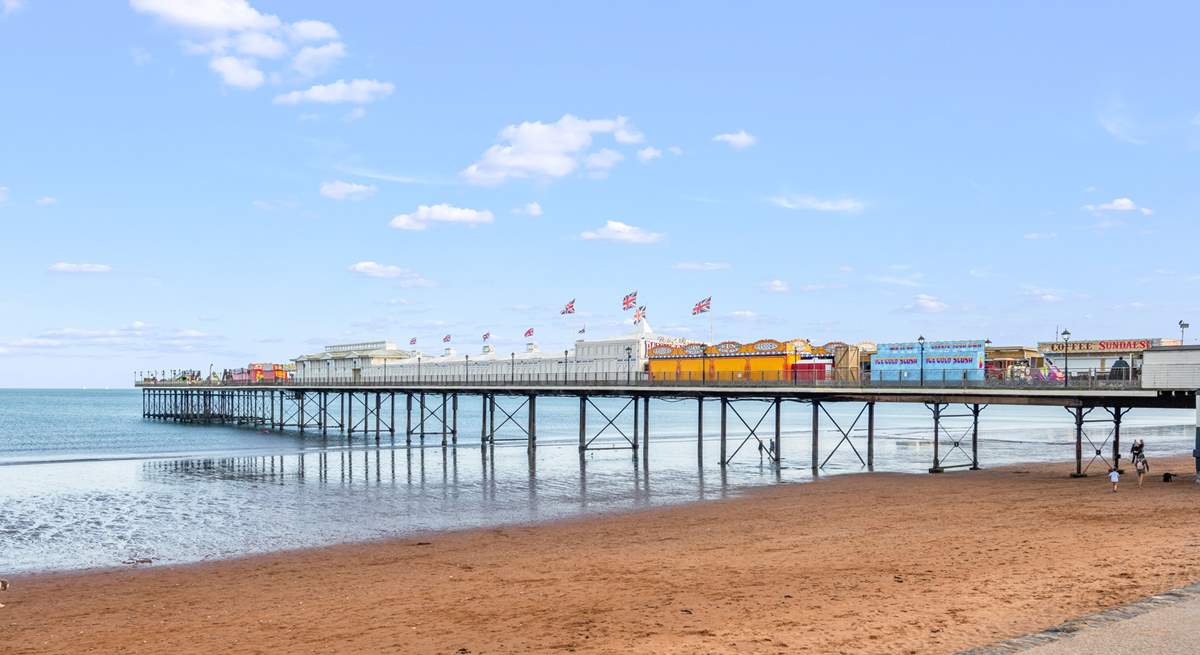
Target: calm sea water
pixel 86 482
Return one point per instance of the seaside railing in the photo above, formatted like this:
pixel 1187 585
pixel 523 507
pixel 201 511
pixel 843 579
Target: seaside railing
pixel 1115 379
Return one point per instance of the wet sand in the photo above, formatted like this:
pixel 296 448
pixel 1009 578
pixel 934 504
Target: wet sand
pixel 872 563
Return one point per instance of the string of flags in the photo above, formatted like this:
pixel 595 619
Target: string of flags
pixel 629 301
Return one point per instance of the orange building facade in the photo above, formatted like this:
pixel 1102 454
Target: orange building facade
pixel 762 360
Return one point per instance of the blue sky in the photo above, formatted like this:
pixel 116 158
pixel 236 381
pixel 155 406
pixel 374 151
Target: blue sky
pixel 218 181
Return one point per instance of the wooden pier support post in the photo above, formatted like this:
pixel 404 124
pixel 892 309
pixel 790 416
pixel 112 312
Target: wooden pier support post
pixel 816 439
pixel 492 419
pixel 350 416
pixel 636 421
pixel 724 410
pixel 1116 415
pixel 778 432
pixel 975 437
pixel 646 428
pixel 324 395
pixel 392 405
pixel 583 424
pixel 378 414
pixel 1078 412
pixel 937 424
pixel 531 445
pixel 454 419
pixel 444 400
pixel 483 432
pixel 302 394
pixel 871 436
pixel 408 424
pixel 700 428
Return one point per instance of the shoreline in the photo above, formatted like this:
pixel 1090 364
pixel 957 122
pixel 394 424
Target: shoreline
pixel 874 562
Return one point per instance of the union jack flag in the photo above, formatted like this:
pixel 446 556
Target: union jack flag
pixel 569 308
pixel 702 306
pixel 529 332
pixel 639 315
pixel 629 302
pixel 412 341
pixel 487 335
pixel 446 339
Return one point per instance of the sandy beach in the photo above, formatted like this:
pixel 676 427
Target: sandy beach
pixel 870 563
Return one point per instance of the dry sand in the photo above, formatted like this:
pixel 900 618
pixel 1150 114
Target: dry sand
pixel 872 563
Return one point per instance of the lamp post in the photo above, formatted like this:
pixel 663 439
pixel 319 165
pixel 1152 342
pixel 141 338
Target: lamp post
pixel 1183 325
pixel 1066 337
pixel 628 363
pixel 566 353
pixel 512 367
pixel 467 368
pixel 921 343
pixel 418 368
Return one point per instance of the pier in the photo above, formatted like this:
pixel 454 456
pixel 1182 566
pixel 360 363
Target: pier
pixel 750 411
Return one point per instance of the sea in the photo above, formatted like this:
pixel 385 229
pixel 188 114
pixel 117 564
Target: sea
pixel 87 483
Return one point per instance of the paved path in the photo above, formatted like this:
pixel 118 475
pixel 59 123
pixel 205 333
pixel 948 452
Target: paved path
pixel 1166 624
pixel 1169 630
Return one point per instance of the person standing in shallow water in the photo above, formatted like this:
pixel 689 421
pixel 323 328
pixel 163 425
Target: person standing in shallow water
pixel 1137 452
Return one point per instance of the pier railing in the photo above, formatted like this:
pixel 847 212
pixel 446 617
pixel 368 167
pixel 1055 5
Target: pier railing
pixel 1118 379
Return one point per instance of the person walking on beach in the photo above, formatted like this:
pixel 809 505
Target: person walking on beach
pixel 1137 453
pixel 1114 477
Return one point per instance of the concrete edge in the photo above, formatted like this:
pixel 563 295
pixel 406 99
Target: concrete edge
pixel 1069 628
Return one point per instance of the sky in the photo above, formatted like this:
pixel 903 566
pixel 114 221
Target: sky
pixel 195 183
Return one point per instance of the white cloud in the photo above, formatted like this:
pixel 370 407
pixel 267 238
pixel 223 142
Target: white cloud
pixel 675 150
pixel 1115 120
pixel 354 91
pixel 340 190
pixel 1040 236
pixel 743 315
pixel 843 205
pixel 926 304
pixel 215 15
pixel 68 267
pixel 530 209
pixel 777 286
pixel 1039 294
pixel 551 150
pixel 46 200
pixel 1119 205
pixel 241 73
pixel 10 6
pixel 702 266
pixel 3 194
pixel 257 44
pixel 441 213
pixel 618 231
pixel 312 61
pixel 911 280
pixel 649 153
pixel 404 276
pixel 356 114
pixel 140 56
pixel 739 140
pixel 311 30
pixel 603 160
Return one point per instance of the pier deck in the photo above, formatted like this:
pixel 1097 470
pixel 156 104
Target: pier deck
pixel 368 408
